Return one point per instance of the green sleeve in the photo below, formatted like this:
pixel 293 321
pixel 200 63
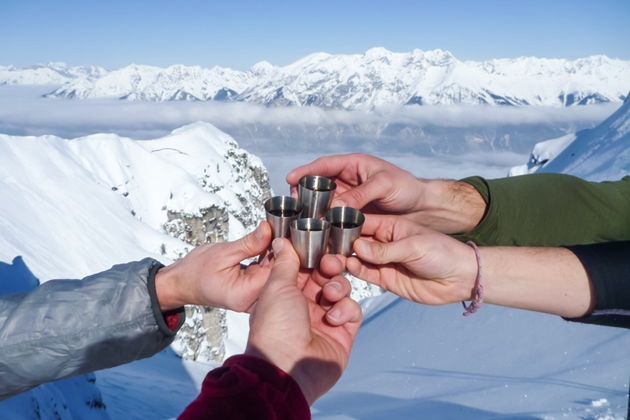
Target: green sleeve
pixel 551 210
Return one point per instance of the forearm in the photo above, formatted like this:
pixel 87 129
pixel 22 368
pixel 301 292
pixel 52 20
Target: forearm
pixel 550 280
pixel 68 327
pixel 448 206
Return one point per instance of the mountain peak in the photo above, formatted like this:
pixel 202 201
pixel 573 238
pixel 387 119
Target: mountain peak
pixel 378 52
pixel 263 67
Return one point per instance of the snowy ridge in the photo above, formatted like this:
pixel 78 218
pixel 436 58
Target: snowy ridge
pixel 374 79
pixel 127 186
pixel 147 83
pixel 598 154
pixel 47 74
pixel 73 207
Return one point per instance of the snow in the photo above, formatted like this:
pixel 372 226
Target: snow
pixel 413 361
pixel 409 361
pixel 374 79
pixel 73 207
pixel 598 154
pixel 602 153
pixel 47 74
pixel 543 152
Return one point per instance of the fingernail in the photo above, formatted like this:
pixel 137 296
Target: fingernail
pixel 338 203
pixel 277 245
pixel 334 285
pixel 335 314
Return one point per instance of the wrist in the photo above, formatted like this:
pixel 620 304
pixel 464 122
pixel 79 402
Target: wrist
pixel 167 288
pixel 287 365
pixel 468 274
pixel 451 206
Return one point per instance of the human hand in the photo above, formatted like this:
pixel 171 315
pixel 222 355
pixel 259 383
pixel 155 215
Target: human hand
pixel 304 323
pixel 414 262
pixel 364 180
pixel 376 186
pixel 211 275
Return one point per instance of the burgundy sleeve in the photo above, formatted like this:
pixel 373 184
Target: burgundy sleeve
pixel 247 387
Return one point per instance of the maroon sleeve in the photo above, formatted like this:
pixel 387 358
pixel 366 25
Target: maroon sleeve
pixel 247 387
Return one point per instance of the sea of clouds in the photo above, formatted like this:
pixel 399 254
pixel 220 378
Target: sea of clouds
pixel 433 141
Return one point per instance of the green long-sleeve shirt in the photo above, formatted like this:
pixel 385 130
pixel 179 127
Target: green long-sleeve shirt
pixel 551 210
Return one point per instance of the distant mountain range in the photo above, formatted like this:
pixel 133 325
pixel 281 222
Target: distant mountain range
pixel 374 79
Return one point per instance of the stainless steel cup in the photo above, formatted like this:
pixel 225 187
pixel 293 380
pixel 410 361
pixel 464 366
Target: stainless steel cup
pixel 346 224
pixel 315 193
pixel 281 211
pixel 310 237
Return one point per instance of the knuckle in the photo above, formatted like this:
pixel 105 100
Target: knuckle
pixel 381 252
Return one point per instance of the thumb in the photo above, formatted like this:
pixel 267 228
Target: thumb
pixel 285 266
pixel 371 190
pixel 250 245
pixel 384 253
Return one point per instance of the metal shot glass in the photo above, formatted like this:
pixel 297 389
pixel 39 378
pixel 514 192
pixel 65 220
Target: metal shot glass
pixel 346 224
pixel 310 237
pixel 315 193
pixel 281 211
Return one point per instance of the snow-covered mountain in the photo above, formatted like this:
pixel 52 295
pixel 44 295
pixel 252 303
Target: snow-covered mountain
pixel 70 208
pixel 374 79
pixel 409 361
pixel 381 77
pixel 600 153
pixel 174 83
pixel 48 74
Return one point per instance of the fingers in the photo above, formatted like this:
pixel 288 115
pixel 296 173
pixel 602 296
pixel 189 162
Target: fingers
pixel 250 245
pixel 346 311
pixel 372 189
pixel 383 253
pixel 336 289
pixel 388 228
pixel 332 265
pixel 286 265
pixel 364 271
pixel 324 166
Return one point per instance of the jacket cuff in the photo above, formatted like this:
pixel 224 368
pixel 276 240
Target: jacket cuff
pixel 169 322
pixel 248 387
pixel 484 232
pixel 270 374
pixel 608 268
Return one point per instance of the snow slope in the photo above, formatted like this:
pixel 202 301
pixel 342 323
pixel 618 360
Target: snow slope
pixel 70 208
pixel 376 78
pixel 601 153
pixel 60 187
pixel 413 361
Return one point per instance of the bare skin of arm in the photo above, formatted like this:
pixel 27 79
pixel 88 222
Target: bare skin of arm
pixel 432 268
pixel 376 186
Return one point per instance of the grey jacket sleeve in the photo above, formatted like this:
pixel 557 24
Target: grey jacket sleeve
pixel 69 327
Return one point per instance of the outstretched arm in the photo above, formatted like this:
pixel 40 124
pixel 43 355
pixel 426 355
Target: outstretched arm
pixel 529 210
pixel 131 311
pixel 588 283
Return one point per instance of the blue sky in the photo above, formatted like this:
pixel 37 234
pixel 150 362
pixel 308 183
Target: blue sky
pixel 239 33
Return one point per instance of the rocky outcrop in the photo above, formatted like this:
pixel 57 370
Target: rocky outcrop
pixel 239 184
pixel 210 225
